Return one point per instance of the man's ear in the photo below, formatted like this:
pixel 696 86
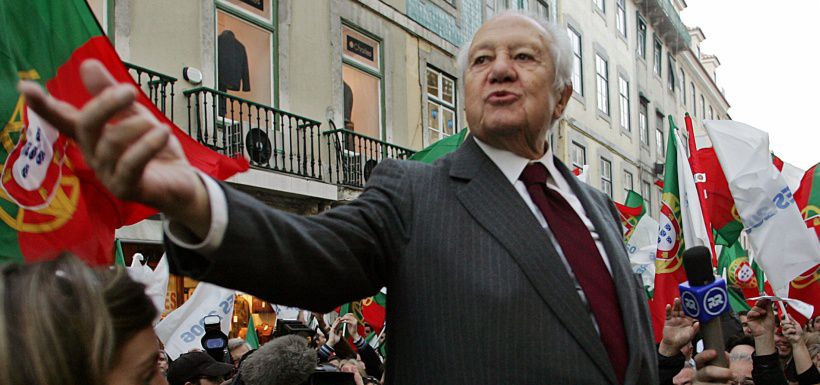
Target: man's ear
pixel 562 102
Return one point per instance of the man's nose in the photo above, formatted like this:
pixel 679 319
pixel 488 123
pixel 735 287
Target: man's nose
pixel 502 70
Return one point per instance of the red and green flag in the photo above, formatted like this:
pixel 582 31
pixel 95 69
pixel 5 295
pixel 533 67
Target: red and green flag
pixel 668 263
pixel 371 310
pixel 631 212
pixel 50 200
pixel 807 197
pixel 745 278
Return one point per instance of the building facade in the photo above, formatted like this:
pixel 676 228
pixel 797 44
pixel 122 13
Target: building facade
pixel 316 92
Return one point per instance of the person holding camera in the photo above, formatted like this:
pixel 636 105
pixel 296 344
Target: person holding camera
pixel 347 325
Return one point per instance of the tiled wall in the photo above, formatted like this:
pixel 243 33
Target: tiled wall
pixel 441 22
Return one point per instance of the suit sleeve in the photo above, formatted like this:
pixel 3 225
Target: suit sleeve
pixel 315 262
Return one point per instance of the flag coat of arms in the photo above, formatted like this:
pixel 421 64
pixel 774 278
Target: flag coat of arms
pixel 50 200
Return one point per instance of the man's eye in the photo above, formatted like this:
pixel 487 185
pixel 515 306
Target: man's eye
pixel 480 60
pixel 523 56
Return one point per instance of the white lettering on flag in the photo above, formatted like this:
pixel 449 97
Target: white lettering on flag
pixel 182 329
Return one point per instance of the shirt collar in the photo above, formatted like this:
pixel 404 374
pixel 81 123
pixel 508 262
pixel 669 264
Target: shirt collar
pixel 511 165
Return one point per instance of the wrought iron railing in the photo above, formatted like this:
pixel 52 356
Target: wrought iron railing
pixel 159 87
pixel 269 138
pixel 355 155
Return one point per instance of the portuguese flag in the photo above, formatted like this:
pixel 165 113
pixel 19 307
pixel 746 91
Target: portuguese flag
pixel 631 212
pixel 744 278
pixel 50 200
pixel 372 310
pixel 440 148
pixel 807 197
pixel 668 263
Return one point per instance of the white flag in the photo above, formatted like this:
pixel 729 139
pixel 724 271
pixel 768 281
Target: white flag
pixel 783 245
pixel 643 248
pixel 694 228
pixel 155 281
pixel 182 329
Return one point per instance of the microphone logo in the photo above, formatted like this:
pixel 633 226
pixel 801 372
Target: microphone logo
pixel 715 301
pixel 690 304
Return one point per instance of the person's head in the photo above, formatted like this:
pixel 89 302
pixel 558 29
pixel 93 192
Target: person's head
pixel 814 353
pixel 741 348
pixel 72 324
pixel 238 348
pixel 686 376
pixel 516 82
pixel 286 360
pixel 367 329
pixel 784 347
pixel 162 362
pixel 744 323
pixel 197 368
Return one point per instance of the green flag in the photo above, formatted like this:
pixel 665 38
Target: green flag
pixel 119 258
pixel 250 336
pixel 746 279
pixel 440 148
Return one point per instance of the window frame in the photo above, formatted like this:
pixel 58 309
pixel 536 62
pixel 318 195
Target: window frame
pixel 575 146
pixel 600 5
pixel 646 194
pixel 442 104
pixel 643 122
pixel 580 57
pixel 606 184
pixel 659 128
pixel 369 70
pixel 256 21
pixel 620 17
pixel 657 57
pixel 602 81
pixel 642 33
pixel 631 178
pixel 623 103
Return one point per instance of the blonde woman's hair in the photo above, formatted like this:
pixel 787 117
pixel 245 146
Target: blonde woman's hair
pixel 63 322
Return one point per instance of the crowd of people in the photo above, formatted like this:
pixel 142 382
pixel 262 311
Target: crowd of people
pixel 73 324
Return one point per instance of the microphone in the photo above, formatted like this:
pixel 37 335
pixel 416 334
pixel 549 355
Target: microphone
pixel 705 298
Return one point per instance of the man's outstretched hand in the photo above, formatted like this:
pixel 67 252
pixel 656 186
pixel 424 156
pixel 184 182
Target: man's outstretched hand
pixel 133 154
pixel 678 330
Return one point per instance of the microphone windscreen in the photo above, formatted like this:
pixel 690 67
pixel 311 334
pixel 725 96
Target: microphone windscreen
pixel 697 261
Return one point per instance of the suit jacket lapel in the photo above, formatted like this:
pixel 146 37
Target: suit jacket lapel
pixel 621 269
pixel 497 206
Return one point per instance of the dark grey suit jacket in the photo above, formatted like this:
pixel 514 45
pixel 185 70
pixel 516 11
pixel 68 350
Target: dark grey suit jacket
pixel 478 294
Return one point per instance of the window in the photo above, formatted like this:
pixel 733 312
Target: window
pixel 711 113
pixel 578 155
pixel 100 10
pixel 600 4
pixel 441 105
pixel 627 184
pixel 245 48
pixel 659 150
pixel 606 177
pixel 643 122
pixel 646 194
pixel 362 81
pixel 577 61
pixel 656 63
pixel 602 74
pixel 542 9
pixel 702 107
pixel 620 17
pixel 694 107
pixel 641 37
pixel 670 73
pixel 659 142
pixel 682 86
pixel 623 90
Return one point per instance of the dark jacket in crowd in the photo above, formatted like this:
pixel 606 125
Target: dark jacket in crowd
pixel 669 367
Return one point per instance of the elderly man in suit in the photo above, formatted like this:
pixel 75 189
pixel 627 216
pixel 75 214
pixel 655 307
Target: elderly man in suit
pixel 519 268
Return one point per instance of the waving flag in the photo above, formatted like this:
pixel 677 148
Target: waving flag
pixel 807 197
pixel 784 248
pixel 50 200
pixel 631 211
pixel 668 264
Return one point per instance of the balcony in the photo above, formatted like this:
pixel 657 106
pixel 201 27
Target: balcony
pixel 159 87
pixel 355 155
pixel 663 16
pixel 269 138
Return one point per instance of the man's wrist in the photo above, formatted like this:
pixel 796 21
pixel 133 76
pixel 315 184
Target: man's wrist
pixel 668 350
pixel 194 211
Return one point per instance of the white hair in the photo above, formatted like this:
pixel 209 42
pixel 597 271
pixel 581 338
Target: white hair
pixel 559 48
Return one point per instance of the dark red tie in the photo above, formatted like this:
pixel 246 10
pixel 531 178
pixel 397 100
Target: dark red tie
pixel 586 263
